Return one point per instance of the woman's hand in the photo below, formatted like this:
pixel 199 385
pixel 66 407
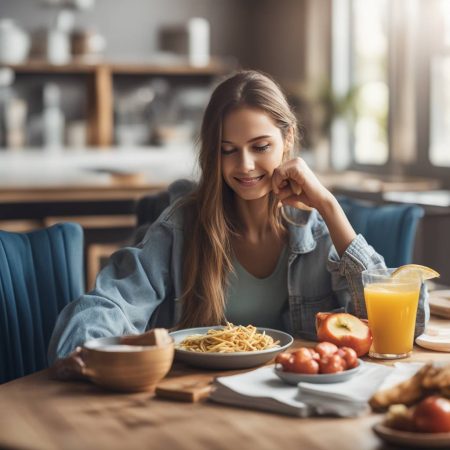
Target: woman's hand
pixel 70 368
pixel 295 184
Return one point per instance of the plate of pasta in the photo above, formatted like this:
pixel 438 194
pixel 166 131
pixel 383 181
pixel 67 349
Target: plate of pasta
pixel 229 347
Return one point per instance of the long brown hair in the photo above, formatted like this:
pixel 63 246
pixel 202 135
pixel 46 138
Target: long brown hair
pixel 209 219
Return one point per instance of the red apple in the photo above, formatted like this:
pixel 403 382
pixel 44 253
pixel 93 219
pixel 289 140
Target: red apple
pixel 320 317
pixel 344 330
pixel 432 415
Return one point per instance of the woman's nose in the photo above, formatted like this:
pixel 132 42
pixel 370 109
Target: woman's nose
pixel 246 161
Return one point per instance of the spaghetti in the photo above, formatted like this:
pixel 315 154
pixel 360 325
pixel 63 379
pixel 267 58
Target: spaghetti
pixel 229 339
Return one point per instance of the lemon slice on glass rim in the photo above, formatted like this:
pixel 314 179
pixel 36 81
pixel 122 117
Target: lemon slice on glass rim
pixel 413 271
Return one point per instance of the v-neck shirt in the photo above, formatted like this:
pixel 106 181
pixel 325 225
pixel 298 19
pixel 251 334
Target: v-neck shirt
pixel 258 301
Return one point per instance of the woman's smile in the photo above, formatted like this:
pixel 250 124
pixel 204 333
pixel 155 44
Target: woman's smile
pixel 249 181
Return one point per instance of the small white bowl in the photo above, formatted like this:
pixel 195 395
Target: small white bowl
pixel 320 378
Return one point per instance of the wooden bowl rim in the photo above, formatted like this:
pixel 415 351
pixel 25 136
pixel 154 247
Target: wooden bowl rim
pixel 145 349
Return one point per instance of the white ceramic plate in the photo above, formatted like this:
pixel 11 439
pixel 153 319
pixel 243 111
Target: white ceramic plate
pixel 440 303
pixel 320 378
pixel 438 340
pixel 411 439
pixel 238 360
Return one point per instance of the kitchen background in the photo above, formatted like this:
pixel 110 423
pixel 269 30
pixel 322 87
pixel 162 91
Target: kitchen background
pixel 101 100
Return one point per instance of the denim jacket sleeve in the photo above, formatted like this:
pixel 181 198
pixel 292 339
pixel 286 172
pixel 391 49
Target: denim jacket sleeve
pixel 347 280
pixel 126 293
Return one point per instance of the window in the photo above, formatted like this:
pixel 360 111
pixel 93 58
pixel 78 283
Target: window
pixel 369 50
pixel 440 89
pixel 395 55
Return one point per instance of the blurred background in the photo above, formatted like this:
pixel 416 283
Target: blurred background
pixel 101 102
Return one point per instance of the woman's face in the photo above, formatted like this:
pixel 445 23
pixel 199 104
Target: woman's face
pixel 252 148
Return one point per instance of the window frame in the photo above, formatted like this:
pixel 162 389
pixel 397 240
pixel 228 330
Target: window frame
pixel 421 166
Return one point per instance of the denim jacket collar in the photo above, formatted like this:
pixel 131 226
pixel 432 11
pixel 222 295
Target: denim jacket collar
pixel 309 227
pixel 302 237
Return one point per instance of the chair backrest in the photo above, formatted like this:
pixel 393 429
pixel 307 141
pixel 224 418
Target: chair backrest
pixel 390 229
pixel 150 207
pixel 40 272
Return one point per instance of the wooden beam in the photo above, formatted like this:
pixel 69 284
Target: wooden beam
pixel 100 108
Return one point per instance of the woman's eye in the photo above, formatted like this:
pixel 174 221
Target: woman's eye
pixel 227 151
pixel 262 148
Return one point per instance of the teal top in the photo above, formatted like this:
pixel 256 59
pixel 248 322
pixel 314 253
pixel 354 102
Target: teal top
pixel 258 301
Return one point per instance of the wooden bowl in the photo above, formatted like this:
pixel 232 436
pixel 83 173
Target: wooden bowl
pixel 129 368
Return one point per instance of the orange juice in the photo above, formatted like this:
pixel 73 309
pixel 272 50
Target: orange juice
pixel 391 310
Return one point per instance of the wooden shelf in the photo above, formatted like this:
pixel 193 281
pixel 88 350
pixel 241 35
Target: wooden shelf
pixel 37 66
pixel 216 67
pixel 77 194
pixel 101 89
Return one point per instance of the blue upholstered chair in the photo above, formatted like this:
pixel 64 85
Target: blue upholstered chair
pixel 390 229
pixel 40 272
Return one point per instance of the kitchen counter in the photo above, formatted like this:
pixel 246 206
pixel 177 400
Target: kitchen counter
pixel 35 174
pixel 438 198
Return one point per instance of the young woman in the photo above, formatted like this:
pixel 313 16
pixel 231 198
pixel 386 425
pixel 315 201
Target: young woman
pixel 241 247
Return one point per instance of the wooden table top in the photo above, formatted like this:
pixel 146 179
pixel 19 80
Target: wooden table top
pixel 40 413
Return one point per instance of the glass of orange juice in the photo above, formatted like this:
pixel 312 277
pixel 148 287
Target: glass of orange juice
pixel 391 304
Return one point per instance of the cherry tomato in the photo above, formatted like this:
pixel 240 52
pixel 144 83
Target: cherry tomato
pixel 285 359
pixel 303 353
pixel 303 363
pixel 349 356
pixel 331 364
pixel 325 349
pixel 314 354
pixel 432 415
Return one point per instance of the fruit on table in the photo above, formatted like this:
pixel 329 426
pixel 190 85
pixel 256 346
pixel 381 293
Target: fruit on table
pixel 415 270
pixel 343 329
pixel 314 353
pixel 325 357
pixel 349 356
pixel 432 415
pixel 332 364
pixel 326 349
pixel 283 358
pixel 302 362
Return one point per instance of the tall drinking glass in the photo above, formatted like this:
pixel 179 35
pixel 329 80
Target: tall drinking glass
pixel 391 304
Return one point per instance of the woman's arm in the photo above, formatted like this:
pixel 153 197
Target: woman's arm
pixel 295 184
pixel 341 232
pixel 127 292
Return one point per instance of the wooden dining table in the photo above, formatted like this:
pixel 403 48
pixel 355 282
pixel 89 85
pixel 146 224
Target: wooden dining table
pixel 38 412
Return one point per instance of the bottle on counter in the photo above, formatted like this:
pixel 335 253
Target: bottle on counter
pixel 13 113
pixel 199 41
pixel 6 80
pixel 53 118
pixel 16 118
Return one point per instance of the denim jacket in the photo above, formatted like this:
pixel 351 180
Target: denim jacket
pixel 141 286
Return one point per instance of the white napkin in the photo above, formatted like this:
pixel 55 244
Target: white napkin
pixel 262 389
pixel 259 389
pixel 347 398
